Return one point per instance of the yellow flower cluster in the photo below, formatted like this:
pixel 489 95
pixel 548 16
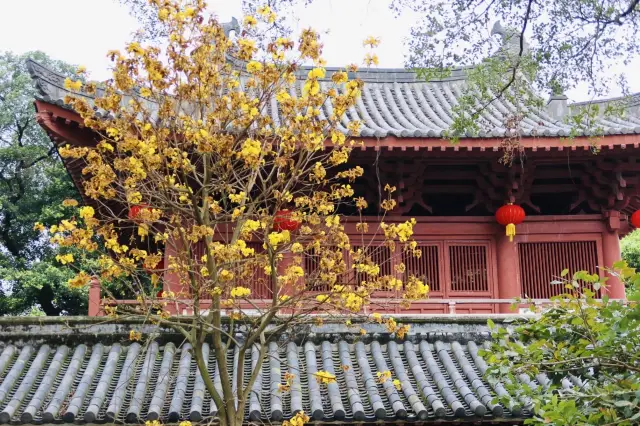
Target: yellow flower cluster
pixel 80 280
pixel 383 376
pixel 277 238
pixel 72 85
pixel 240 292
pixel 65 258
pixel 416 289
pixel 298 420
pixel 135 335
pixel 324 377
pixel 402 231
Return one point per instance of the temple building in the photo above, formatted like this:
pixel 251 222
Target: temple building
pixel 577 192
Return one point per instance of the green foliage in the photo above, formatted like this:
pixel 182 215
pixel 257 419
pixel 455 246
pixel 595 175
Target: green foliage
pixel 542 47
pixel 590 343
pixel 630 247
pixel 33 184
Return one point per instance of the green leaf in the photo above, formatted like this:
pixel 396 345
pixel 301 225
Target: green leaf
pixel 620 264
pixel 491 324
pixel 623 403
pixel 564 272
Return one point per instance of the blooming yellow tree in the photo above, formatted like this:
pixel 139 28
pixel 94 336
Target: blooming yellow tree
pixel 193 181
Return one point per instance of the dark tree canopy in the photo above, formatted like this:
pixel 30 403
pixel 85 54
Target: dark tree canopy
pixel 33 184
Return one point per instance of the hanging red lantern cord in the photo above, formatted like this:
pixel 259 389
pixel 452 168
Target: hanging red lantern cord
pixel 635 219
pixel 283 221
pixel 510 215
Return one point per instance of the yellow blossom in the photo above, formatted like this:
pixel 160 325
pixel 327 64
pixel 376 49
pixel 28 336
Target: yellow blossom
pixel 383 376
pixel 38 227
pixel 371 59
pixel 226 275
pixel 371 41
pixel 185 423
pixel 298 420
pixel 79 281
pixel 277 238
pixel 163 14
pixel 254 67
pixel 324 377
pixel 69 202
pixel 339 77
pixel 238 198
pixel 316 73
pixel 86 212
pixel 65 258
pixel 135 335
pixel 397 384
pixel 81 69
pixel 250 21
pixel 240 292
pixel 72 85
pixel 267 14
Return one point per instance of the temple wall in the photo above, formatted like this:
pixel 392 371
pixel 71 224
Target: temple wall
pixel 473 268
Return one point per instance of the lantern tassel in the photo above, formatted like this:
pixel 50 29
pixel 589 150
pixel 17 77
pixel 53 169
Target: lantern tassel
pixel 511 231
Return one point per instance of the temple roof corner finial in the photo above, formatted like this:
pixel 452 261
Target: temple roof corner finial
pixel 232 25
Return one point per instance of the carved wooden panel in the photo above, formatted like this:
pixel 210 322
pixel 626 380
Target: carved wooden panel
pixel 468 268
pixel 426 267
pixel 541 263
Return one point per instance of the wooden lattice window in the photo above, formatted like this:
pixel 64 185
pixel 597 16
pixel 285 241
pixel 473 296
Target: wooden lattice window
pixel 468 268
pixel 542 263
pixel 381 255
pixel 425 267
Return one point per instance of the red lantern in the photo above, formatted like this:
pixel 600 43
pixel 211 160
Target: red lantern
pixel 635 219
pixel 134 211
pixel 510 215
pixel 284 222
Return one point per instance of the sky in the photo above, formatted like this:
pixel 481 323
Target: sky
pixel 82 31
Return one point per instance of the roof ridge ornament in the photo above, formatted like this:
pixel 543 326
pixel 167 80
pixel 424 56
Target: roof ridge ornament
pixel 510 40
pixel 232 25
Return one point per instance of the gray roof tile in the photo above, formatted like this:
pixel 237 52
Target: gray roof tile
pixel 396 103
pixel 85 371
pixel 130 382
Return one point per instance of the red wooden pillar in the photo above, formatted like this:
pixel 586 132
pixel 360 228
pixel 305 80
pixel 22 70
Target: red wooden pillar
pixel 611 254
pixel 171 279
pixel 94 297
pixel 507 256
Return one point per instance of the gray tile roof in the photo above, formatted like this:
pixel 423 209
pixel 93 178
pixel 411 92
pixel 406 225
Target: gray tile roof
pixel 395 103
pixel 93 374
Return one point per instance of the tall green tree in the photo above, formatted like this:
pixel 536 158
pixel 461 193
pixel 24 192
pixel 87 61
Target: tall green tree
pixel 33 184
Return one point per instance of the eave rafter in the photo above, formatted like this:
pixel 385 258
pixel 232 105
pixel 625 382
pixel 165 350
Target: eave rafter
pixel 609 184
